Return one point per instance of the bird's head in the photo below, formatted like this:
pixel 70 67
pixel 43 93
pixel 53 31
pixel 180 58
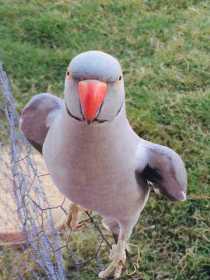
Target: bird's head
pixel 94 87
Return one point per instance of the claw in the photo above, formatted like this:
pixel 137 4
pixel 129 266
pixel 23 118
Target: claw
pixel 118 270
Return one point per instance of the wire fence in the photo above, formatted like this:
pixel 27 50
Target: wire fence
pixel 32 211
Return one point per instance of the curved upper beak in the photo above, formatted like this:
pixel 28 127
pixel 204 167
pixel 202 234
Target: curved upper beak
pixel 91 95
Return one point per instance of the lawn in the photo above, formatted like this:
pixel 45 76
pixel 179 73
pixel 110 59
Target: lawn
pixel 164 49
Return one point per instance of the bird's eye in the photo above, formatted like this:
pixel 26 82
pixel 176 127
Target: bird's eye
pixel 67 73
pixel 120 77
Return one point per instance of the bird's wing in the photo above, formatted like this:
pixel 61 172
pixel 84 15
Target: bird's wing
pixel 162 167
pixel 37 117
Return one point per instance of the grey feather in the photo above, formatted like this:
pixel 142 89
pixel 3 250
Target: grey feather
pixel 95 65
pixel 166 170
pixel 37 117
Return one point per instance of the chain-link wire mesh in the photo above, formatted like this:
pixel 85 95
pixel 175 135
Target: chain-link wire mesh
pixel 34 239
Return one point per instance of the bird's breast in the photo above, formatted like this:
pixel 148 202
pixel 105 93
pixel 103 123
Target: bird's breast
pixel 95 171
pixel 92 179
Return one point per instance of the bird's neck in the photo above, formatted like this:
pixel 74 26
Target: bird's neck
pixel 111 131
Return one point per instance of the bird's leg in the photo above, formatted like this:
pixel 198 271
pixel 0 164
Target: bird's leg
pixel 112 226
pixel 75 212
pixel 73 216
pixel 118 257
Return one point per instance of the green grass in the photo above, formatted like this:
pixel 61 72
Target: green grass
pixel 164 50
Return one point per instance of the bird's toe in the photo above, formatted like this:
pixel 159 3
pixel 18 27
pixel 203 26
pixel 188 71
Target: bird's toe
pixel 118 256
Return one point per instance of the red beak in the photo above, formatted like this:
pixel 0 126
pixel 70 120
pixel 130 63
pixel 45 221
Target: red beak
pixel 91 94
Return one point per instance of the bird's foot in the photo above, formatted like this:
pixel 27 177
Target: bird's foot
pixel 118 257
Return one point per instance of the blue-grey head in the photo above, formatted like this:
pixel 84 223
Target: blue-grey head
pixel 94 87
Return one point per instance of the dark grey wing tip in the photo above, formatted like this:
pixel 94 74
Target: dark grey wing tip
pixel 37 146
pixel 151 174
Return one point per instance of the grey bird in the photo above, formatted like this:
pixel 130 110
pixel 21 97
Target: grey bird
pixel 92 153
